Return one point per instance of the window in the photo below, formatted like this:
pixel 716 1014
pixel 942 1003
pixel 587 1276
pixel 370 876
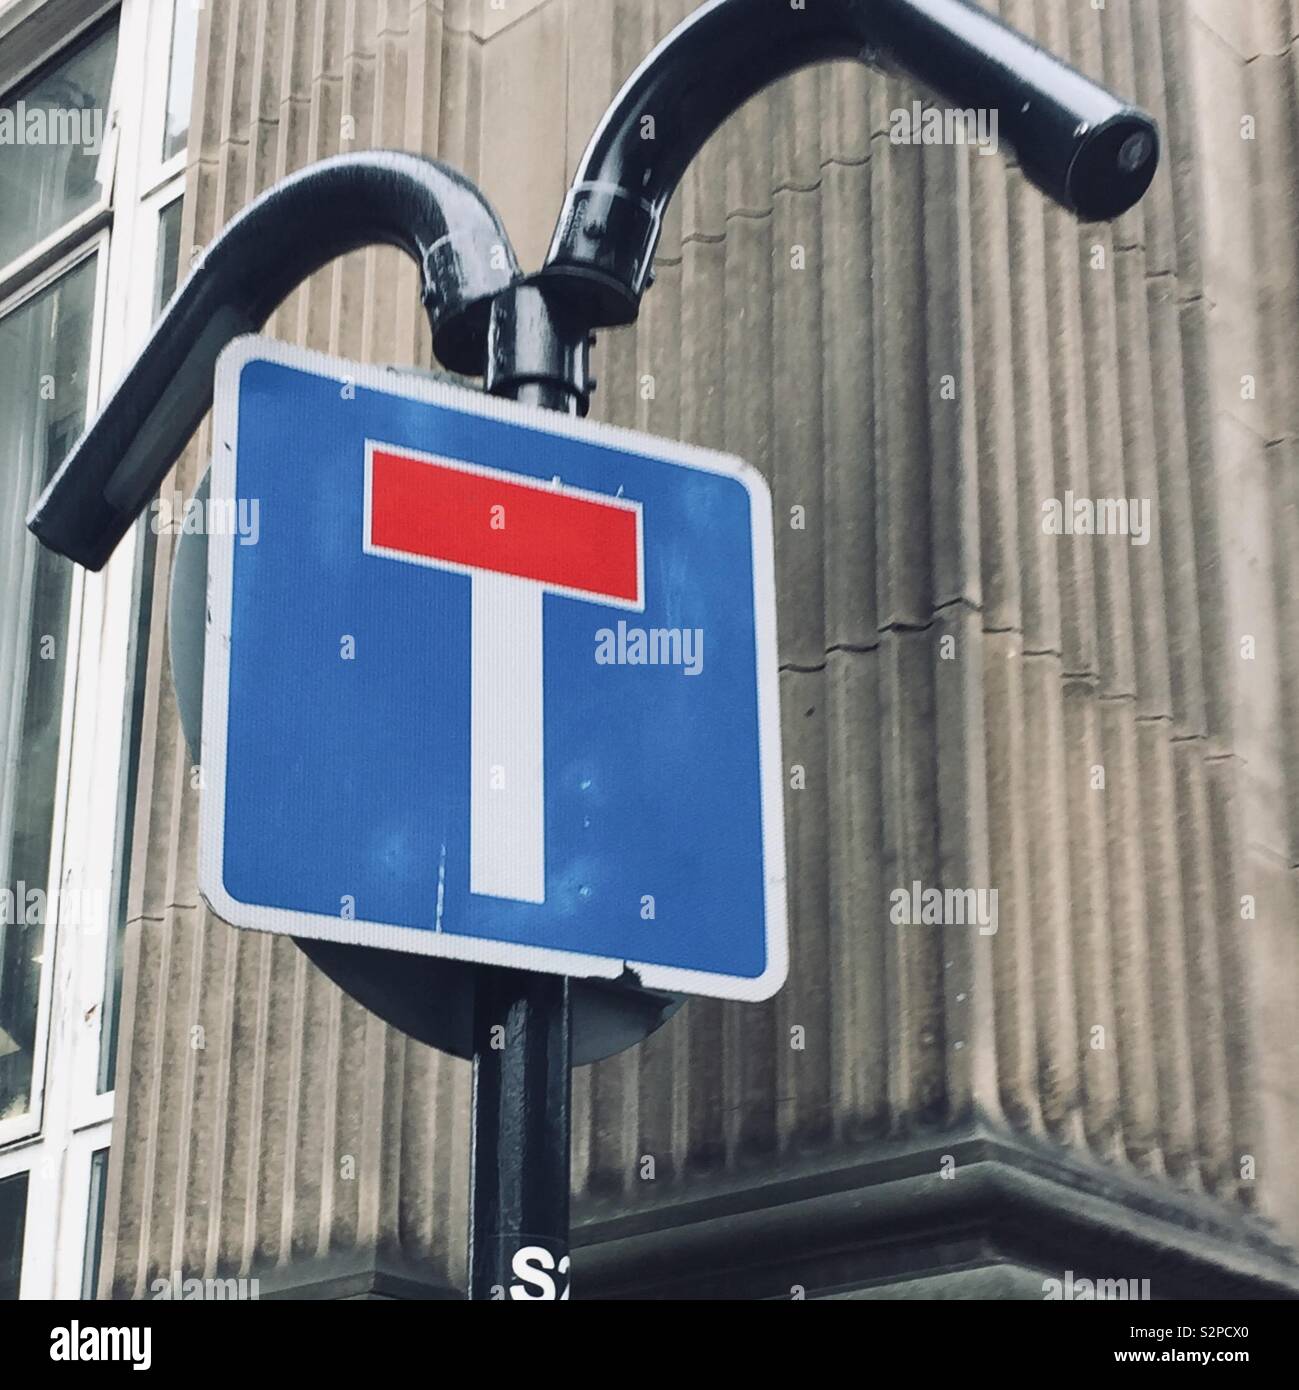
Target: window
pixel 180 77
pixel 95 1222
pixel 13 1221
pixel 53 134
pixel 44 368
pixel 92 153
pixel 168 265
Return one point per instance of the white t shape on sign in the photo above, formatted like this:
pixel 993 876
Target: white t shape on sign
pixel 518 539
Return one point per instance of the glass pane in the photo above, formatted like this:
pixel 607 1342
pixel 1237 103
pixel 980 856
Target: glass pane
pixel 13 1221
pixel 95 1222
pixel 51 133
pixel 44 365
pixel 167 270
pixel 167 267
pixel 180 80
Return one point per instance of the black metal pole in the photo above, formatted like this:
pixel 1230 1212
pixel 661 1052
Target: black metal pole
pixel 519 1156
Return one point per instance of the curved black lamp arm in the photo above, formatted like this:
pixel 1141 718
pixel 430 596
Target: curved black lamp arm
pixel 432 212
pixel 1091 152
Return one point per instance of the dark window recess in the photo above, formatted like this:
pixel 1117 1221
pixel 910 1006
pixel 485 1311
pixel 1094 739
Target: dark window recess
pixel 13 1222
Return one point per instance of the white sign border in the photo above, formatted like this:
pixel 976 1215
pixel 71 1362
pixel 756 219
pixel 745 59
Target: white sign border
pixel 216 686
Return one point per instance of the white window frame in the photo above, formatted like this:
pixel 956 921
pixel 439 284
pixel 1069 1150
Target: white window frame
pixel 69 1120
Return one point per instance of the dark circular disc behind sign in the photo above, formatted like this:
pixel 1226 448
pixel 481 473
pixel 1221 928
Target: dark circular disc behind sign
pixel 429 998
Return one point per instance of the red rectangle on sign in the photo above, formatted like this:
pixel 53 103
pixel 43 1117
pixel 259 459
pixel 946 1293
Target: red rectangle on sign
pixel 483 520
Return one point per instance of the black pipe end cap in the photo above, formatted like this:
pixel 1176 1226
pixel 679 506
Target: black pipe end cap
pixel 1113 166
pixel 78 523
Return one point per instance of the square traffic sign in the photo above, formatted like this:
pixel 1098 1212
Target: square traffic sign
pixel 490 682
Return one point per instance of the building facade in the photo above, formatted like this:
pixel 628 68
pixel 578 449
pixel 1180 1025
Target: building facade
pixel 1037 512
pixel 94 116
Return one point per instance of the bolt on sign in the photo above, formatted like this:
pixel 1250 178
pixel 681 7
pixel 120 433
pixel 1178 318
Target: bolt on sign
pixel 493 683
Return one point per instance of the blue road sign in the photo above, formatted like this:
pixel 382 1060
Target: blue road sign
pixel 487 682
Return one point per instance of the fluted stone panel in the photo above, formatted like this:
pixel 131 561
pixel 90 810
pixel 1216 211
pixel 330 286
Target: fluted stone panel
pixel 918 352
